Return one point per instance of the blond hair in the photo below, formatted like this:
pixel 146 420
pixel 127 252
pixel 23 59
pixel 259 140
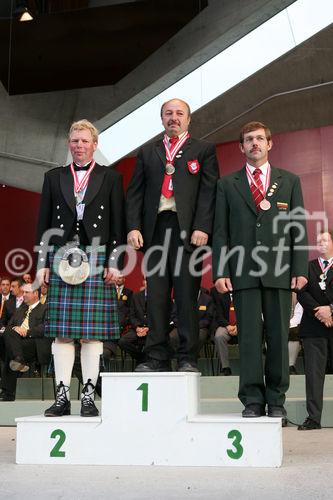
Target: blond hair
pixel 84 125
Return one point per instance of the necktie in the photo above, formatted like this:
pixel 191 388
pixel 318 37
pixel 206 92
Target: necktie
pixel 325 263
pixel 167 188
pixel 42 299
pixel 257 189
pixel 2 305
pixel 118 293
pixel 25 323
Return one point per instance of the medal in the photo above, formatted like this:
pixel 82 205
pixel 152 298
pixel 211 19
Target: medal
pixel 322 277
pixel 169 169
pixel 322 285
pixel 265 204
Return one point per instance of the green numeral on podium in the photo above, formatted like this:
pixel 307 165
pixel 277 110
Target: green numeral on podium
pixel 144 389
pixel 56 452
pixel 238 452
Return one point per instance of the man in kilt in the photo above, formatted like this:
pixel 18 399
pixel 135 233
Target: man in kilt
pixel 81 224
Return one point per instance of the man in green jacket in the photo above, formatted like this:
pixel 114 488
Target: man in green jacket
pixel 260 254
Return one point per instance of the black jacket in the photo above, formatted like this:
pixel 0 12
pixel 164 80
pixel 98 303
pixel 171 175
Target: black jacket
pixel 312 296
pixel 194 193
pixel 104 215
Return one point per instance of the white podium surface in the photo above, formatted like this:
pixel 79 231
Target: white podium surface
pixel 150 419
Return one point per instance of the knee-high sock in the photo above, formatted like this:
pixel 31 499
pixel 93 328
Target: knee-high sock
pixel 90 357
pixel 63 355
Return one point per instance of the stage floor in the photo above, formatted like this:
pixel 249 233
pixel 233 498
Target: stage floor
pixel 306 473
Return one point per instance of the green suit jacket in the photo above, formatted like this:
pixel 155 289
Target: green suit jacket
pixel 264 248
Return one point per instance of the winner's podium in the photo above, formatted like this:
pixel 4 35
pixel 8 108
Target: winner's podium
pixel 150 419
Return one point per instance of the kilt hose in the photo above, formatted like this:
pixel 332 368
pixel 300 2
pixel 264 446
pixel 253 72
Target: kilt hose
pixel 86 311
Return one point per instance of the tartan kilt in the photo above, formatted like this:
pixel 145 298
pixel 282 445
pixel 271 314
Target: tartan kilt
pixel 85 311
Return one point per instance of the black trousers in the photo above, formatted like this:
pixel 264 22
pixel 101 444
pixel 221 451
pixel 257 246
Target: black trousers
pixel 15 346
pixel 316 352
pixel 133 344
pixel 176 275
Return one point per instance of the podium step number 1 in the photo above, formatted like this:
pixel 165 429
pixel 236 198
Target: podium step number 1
pixel 150 419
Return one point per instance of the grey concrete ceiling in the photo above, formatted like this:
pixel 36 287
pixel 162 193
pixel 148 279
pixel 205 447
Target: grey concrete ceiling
pixel 259 97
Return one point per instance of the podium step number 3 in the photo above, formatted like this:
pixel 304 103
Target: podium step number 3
pixel 150 419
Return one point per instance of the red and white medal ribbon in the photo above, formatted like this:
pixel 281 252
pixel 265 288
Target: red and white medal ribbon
pixel 171 153
pixel 252 181
pixel 324 270
pixel 81 185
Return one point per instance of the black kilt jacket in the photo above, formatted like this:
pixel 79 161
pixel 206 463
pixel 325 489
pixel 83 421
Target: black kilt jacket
pixel 104 215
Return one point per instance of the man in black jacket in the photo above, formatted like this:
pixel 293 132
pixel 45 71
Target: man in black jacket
pixel 14 302
pixel 21 340
pixel 133 341
pixel 170 208
pixel 316 328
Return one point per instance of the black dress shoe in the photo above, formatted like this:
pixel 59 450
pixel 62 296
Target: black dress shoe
pixel 154 365
pixel 226 371
pixel 88 407
pixel 7 396
pixel 292 370
pixel 308 425
pixel 254 410
pixel 276 411
pixel 61 406
pixel 18 365
pixel 186 366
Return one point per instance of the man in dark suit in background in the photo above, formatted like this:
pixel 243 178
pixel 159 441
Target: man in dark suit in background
pixel 21 337
pixel 124 297
pixel 133 341
pixel 171 200
pixel 259 254
pixel 5 295
pixel 224 327
pixel 316 328
pixel 14 302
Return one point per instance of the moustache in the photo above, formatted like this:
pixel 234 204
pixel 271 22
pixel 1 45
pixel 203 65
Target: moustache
pixel 173 122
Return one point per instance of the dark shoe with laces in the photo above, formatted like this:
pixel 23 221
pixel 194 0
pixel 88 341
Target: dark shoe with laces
pixel 154 365
pixel 309 425
pixel 253 410
pixel 88 408
pixel 61 406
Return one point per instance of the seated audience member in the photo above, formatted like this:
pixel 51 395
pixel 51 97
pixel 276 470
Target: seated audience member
pixel 316 328
pixel 21 336
pixel 205 315
pixel 224 327
pixel 5 294
pixel 124 296
pixel 43 293
pixel 16 299
pixel 133 341
pixel 294 344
